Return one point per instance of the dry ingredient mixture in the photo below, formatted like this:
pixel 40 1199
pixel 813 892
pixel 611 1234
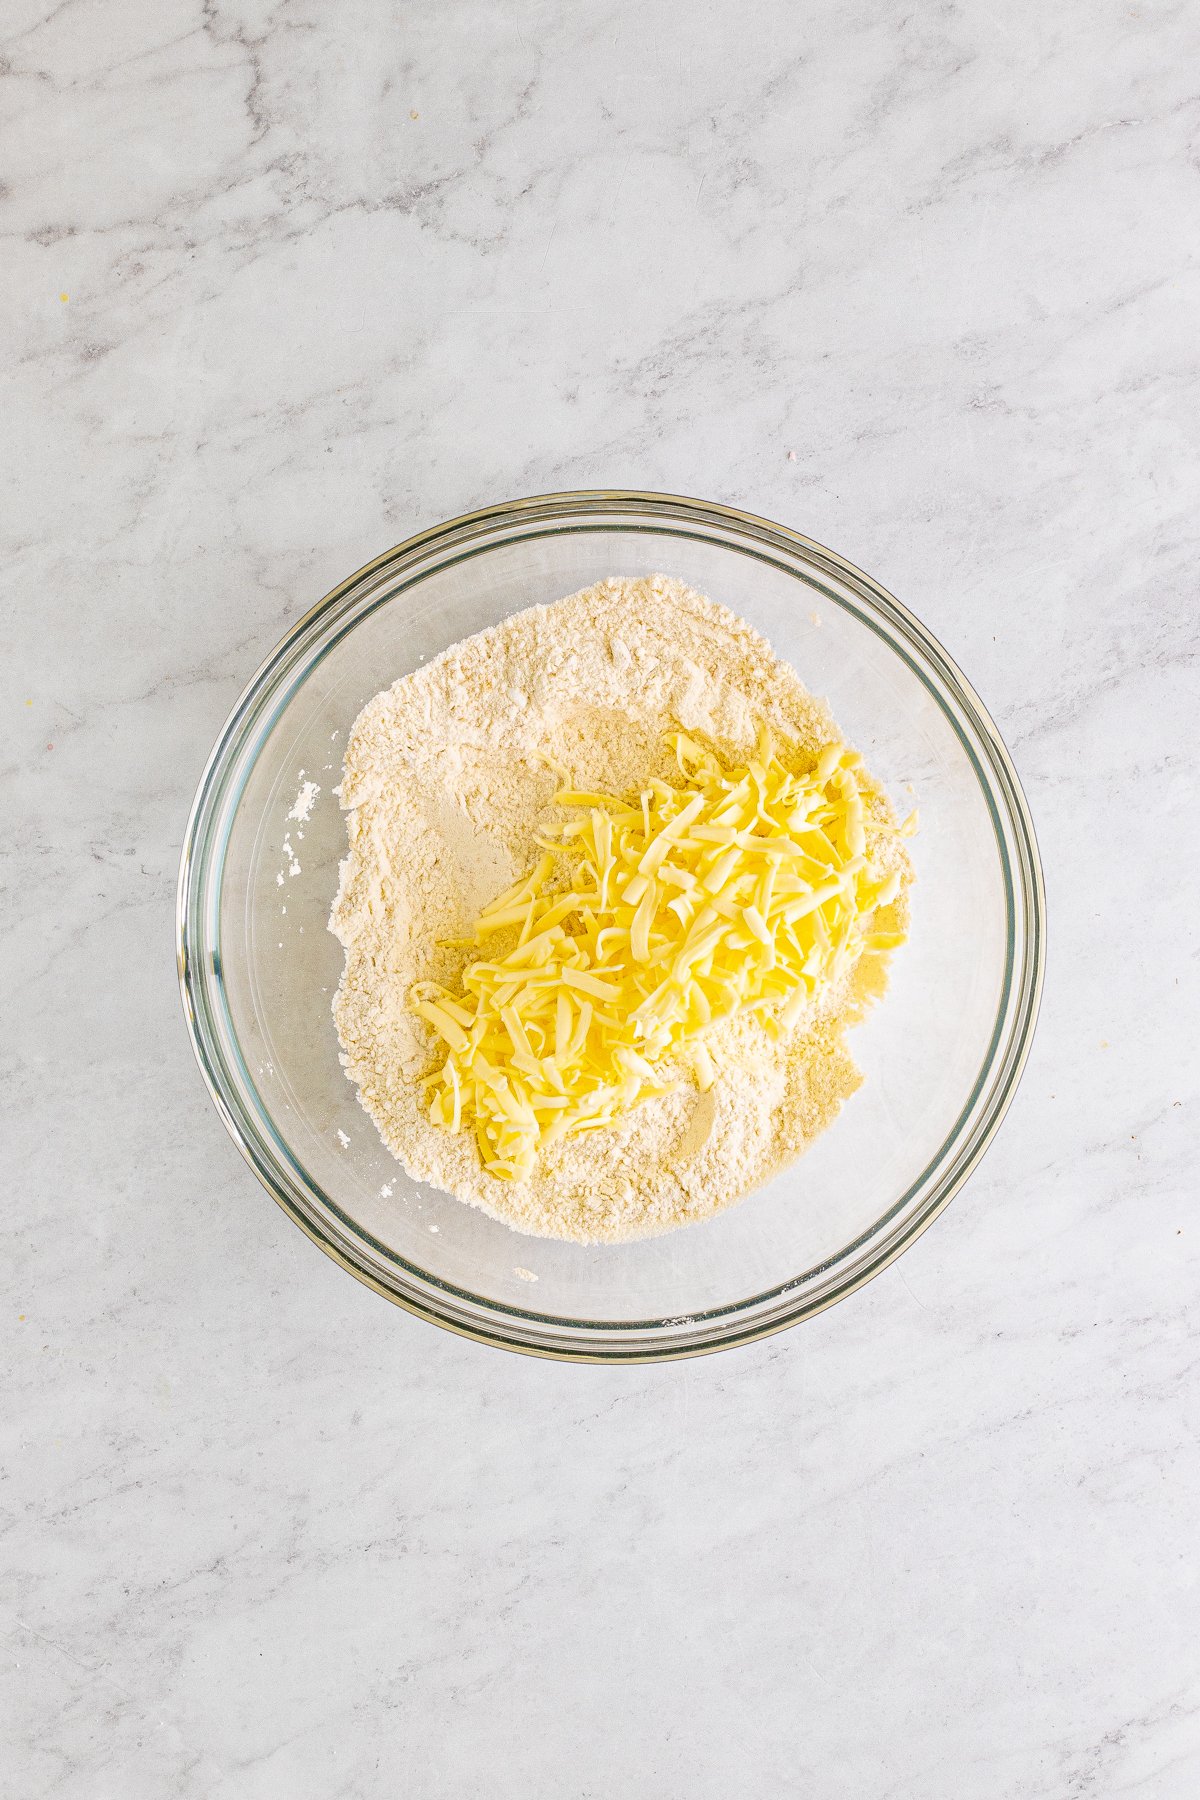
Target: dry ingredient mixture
pixel 450 780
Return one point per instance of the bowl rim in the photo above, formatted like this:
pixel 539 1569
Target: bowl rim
pixel 606 1341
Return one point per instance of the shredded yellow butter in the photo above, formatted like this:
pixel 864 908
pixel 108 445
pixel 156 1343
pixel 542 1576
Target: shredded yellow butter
pixel 737 890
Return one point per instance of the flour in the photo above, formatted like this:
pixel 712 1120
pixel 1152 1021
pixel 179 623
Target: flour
pixel 304 800
pixel 450 775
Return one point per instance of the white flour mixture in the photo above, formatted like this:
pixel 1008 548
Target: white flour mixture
pixel 448 780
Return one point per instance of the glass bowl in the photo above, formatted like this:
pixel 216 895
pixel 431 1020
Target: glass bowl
pixel 942 1054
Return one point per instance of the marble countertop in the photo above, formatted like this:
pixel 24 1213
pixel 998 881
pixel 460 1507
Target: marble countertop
pixel 287 282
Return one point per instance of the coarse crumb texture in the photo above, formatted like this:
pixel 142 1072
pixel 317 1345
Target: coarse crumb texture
pixel 447 782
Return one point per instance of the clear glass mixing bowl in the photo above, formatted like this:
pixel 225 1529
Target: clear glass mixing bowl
pixel 941 1055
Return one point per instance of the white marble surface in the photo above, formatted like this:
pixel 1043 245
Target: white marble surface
pixel 286 282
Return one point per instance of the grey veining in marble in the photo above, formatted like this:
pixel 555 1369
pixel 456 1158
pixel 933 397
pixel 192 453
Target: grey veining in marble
pixel 284 282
